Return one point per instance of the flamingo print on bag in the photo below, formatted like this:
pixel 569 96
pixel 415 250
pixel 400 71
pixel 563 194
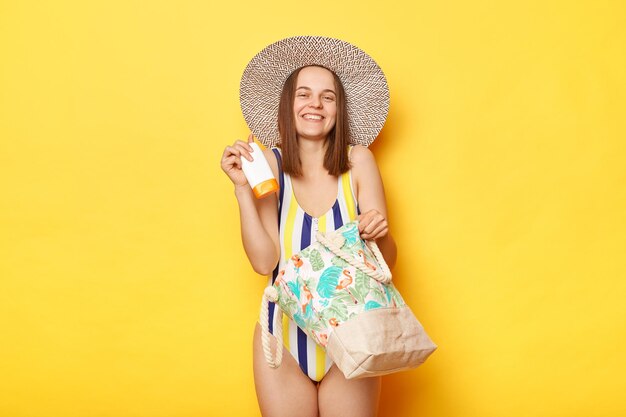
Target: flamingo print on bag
pixel 307 299
pixel 372 267
pixel 343 284
pixel 369 265
pixel 322 338
pixel 297 262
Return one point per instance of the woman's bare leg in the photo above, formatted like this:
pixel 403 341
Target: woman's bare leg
pixel 341 397
pixel 284 391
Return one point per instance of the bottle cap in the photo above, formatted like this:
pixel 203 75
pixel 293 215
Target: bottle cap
pixel 265 188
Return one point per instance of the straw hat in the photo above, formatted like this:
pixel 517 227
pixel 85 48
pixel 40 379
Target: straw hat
pixel 367 93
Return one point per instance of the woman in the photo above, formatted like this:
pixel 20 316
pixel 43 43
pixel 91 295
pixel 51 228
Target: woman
pixel 317 169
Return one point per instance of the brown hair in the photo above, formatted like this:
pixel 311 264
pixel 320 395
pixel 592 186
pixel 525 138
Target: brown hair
pixel 336 157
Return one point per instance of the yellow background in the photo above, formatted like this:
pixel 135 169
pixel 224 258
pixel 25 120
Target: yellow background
pixel 503 157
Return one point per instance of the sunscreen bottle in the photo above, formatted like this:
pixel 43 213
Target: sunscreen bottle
pixel 259 173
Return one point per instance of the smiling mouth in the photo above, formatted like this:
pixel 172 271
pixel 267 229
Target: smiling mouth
pixel 313 117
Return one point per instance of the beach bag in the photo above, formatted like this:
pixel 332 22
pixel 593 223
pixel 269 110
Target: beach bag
pixel 339 292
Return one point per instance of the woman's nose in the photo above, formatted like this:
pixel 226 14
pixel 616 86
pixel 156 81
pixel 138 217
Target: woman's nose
pixel 316 102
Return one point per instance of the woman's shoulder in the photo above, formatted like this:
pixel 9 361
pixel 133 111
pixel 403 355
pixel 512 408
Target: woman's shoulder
pixel 361 156
pixel 363 166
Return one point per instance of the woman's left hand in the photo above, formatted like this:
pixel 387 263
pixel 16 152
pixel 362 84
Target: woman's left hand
pixel 372 225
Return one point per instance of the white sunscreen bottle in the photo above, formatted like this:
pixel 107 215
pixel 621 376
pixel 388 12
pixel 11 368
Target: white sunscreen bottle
pixel 259 173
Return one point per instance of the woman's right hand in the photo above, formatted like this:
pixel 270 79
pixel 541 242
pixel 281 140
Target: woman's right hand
pixel 231 160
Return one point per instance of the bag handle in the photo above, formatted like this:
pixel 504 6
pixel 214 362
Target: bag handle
pixel 270 294
pixel 383 276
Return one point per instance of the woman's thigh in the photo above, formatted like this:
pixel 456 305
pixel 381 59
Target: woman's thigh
pixel 283 391
pixel 341 397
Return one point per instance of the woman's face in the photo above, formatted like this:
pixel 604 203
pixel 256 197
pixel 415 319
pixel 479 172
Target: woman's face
pixel 315 103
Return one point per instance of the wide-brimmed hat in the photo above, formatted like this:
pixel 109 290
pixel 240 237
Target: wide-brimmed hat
pixel 367 92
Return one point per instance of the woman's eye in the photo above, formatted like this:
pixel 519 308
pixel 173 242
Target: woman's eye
pixel 328 98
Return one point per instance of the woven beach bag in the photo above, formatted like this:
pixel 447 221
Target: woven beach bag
pixel 339 291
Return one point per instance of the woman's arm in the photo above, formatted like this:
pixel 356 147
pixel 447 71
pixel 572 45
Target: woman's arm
pixel 258 217
pixel 370 193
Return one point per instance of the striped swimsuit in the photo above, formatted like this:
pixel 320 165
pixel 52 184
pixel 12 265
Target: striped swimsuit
pixel 297 230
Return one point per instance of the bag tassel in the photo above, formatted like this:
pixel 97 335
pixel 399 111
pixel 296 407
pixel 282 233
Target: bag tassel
pixel 270 294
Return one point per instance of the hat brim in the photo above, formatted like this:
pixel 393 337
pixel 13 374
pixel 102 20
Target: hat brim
pixel 367 92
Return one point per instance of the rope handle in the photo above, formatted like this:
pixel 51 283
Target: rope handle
pixel 383 276
pixel 270 294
